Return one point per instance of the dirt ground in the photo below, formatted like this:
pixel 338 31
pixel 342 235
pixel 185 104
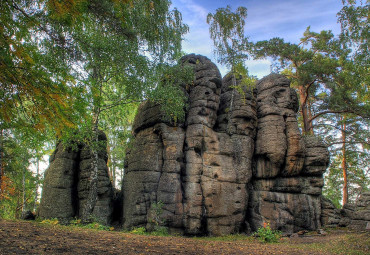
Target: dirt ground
pixel 21 237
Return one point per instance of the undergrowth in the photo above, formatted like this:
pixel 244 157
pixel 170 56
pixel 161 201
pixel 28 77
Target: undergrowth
pixel 158 231
pixel 266 235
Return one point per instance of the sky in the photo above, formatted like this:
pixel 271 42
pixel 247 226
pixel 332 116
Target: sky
pixel 287 19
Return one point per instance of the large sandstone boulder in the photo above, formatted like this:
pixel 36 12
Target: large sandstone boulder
pixel 330 215
pixel 237 161
pixel 66 184
pixel 287 178
pixel 356 216
pixel 361 215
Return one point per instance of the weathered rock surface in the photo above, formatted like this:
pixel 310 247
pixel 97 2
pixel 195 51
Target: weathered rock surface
pixel 355 216
pixel 66 184
pixel 287 181
pixel 330 215
pixel 361 215
pixel 238 160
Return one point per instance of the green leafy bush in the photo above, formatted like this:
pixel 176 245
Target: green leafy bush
pixel 267 235
pixel 139 231
pixel 53 221
pixel 160 231
pixel 92 225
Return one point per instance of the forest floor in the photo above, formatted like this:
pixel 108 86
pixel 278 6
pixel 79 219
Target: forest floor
pixel 22 237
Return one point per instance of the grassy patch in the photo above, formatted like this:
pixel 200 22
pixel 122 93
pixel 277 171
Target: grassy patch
pixel 159 231
pixel 351 244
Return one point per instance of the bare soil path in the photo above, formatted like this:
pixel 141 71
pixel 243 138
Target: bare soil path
pixel 21 237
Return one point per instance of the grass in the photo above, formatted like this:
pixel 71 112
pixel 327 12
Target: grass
pixel 351 244
pixel 338 241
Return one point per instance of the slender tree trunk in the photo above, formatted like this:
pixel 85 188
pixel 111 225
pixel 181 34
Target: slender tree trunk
pixel 24 189
pixel 233 79
pixel 344 163
pixel 1 161
pixel 310 116
pixel 114 173
pixel 307 129
pixel 109 163
pixel 37 183
pixel 92 197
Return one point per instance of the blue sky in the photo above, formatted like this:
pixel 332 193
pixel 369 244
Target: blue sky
pixel 266 19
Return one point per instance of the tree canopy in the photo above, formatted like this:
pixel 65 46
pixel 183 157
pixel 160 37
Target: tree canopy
pixel 68 65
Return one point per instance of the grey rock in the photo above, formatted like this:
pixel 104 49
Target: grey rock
pixel 238 160
pixel 66 184
pixel 360 217
pixel 330 215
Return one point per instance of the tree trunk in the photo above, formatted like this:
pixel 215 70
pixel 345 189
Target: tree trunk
pixel 92 197
pixel 37 183
pixel 310 116
pixel 114 173
pixel 344 163
pixel 307 129
pixel 1 161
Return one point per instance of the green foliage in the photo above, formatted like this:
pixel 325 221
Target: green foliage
pixel 156 212
pixel 227 32
pixel 68 67
pixel 354 20
pixel 159 231
pixel 139 231
pixel 168 93
pixel 53 221
pixel 267 235
pixel 92 225
pixel 17 182
pixel 356 154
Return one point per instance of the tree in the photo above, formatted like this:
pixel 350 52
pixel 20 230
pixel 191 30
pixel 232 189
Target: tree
pixel 330 74
pixel 18 185
pixel 67 65
pixel 33 89
pixel 354 130
pixel 120 50
pixel 231 46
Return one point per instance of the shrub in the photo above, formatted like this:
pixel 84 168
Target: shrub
pixel 267 235
pixel 53 221
pixel 160 231
pixel 139 231
pixel 92 225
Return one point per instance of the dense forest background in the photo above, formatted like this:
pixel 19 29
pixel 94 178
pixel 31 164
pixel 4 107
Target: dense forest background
pixel 69 68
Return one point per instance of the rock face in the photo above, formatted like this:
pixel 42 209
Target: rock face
pixel 361 215
pixel 287 179
pixel 236 162
pixel 330 215
pixel 355 216
pixel 66 184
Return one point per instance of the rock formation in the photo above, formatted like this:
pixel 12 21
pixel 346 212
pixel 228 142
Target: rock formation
pixel 287 179
pixel 355 216
pixel 66 184
pixel 237 161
